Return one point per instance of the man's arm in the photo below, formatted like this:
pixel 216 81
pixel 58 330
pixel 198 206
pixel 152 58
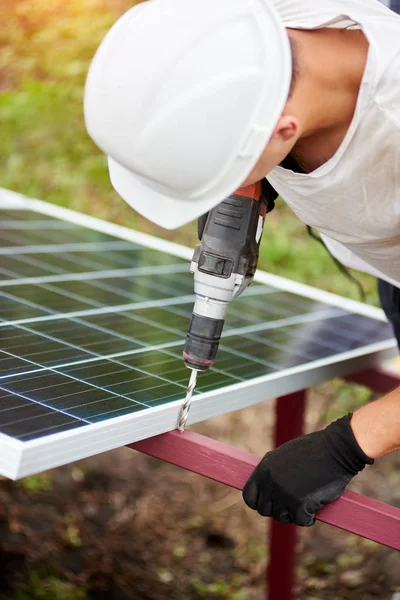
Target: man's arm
pixel 376 426
pixel 293 481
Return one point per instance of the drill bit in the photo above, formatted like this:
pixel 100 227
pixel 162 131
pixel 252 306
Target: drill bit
pixel 186 405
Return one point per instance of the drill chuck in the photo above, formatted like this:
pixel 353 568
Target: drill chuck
pixel 202 342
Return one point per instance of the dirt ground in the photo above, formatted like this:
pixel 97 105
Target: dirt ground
pixel 122 526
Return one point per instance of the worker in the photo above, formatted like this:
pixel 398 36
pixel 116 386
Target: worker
pixel 191 99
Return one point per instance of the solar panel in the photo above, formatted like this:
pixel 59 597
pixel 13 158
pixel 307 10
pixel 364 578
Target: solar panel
pixel 92 324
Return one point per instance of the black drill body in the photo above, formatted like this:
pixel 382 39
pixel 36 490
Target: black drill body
pixel 224 263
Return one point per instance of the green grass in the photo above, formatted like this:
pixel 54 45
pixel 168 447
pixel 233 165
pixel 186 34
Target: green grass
pixel 49 588
pixel 38 483
pixel 46 153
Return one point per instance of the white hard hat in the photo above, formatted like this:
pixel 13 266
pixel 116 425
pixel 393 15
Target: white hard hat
pixel 183 96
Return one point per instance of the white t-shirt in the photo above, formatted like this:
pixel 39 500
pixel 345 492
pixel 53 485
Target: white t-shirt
pixel 353 199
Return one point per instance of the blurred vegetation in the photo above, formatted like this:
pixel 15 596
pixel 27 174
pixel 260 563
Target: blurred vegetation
pixel 38 483
pixel 45 51
pixel 50 588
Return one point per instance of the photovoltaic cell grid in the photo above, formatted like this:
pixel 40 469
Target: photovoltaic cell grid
pixel 92 328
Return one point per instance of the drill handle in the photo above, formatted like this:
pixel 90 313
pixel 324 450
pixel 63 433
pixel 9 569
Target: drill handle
pixel 262 191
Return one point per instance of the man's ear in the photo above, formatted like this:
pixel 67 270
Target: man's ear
pixel 286 128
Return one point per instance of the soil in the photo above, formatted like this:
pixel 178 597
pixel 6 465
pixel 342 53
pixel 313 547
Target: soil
pixel 122 526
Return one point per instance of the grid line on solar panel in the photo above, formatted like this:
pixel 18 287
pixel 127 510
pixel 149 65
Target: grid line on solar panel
pixel 85 339
pixel 61 298
pixel 47 393
pixel 60 233
pixel 71 297
pixel 152 382
pixel 30 419
pixel 335 317
pixel 61 248
pixel 50 305
pixel 170 282
pixel 63 341
pixel 146 392
pixel 308 352
pixel 85 276
pixel 133 306
pixel 143 325
pixel 98 407
pixel 12 307
pixel 54 345
pixel 37 236
pixel 62 334
pixel 270 306
pixel 50 350
pixel 156 362
pixel 300 337
pixel 33 401
pixel 22 265
pixel 76 262
pixel 4 274
pixel 18 365
pixel 141 355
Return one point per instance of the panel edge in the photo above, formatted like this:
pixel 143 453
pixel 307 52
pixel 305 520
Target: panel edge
pixel 67 447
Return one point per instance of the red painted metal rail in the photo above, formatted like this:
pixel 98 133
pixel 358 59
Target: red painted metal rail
pixel 352 512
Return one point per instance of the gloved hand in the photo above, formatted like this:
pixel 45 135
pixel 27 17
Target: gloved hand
pixel 293 481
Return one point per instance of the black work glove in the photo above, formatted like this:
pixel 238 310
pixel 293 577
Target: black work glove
pixel 293 481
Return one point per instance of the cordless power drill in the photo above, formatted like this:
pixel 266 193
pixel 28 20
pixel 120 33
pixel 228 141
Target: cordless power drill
pixel 224 263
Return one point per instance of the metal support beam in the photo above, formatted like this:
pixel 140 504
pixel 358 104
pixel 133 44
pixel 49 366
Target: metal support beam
pixel 283 537
pixel 354 513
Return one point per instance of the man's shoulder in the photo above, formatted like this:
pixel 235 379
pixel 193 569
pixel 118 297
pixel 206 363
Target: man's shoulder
pixel 387 92
pixel 310 14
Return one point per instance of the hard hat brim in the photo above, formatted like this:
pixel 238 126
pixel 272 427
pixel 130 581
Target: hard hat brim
pixel 162 210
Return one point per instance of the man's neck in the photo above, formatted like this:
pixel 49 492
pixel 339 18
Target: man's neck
pixel 331 64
